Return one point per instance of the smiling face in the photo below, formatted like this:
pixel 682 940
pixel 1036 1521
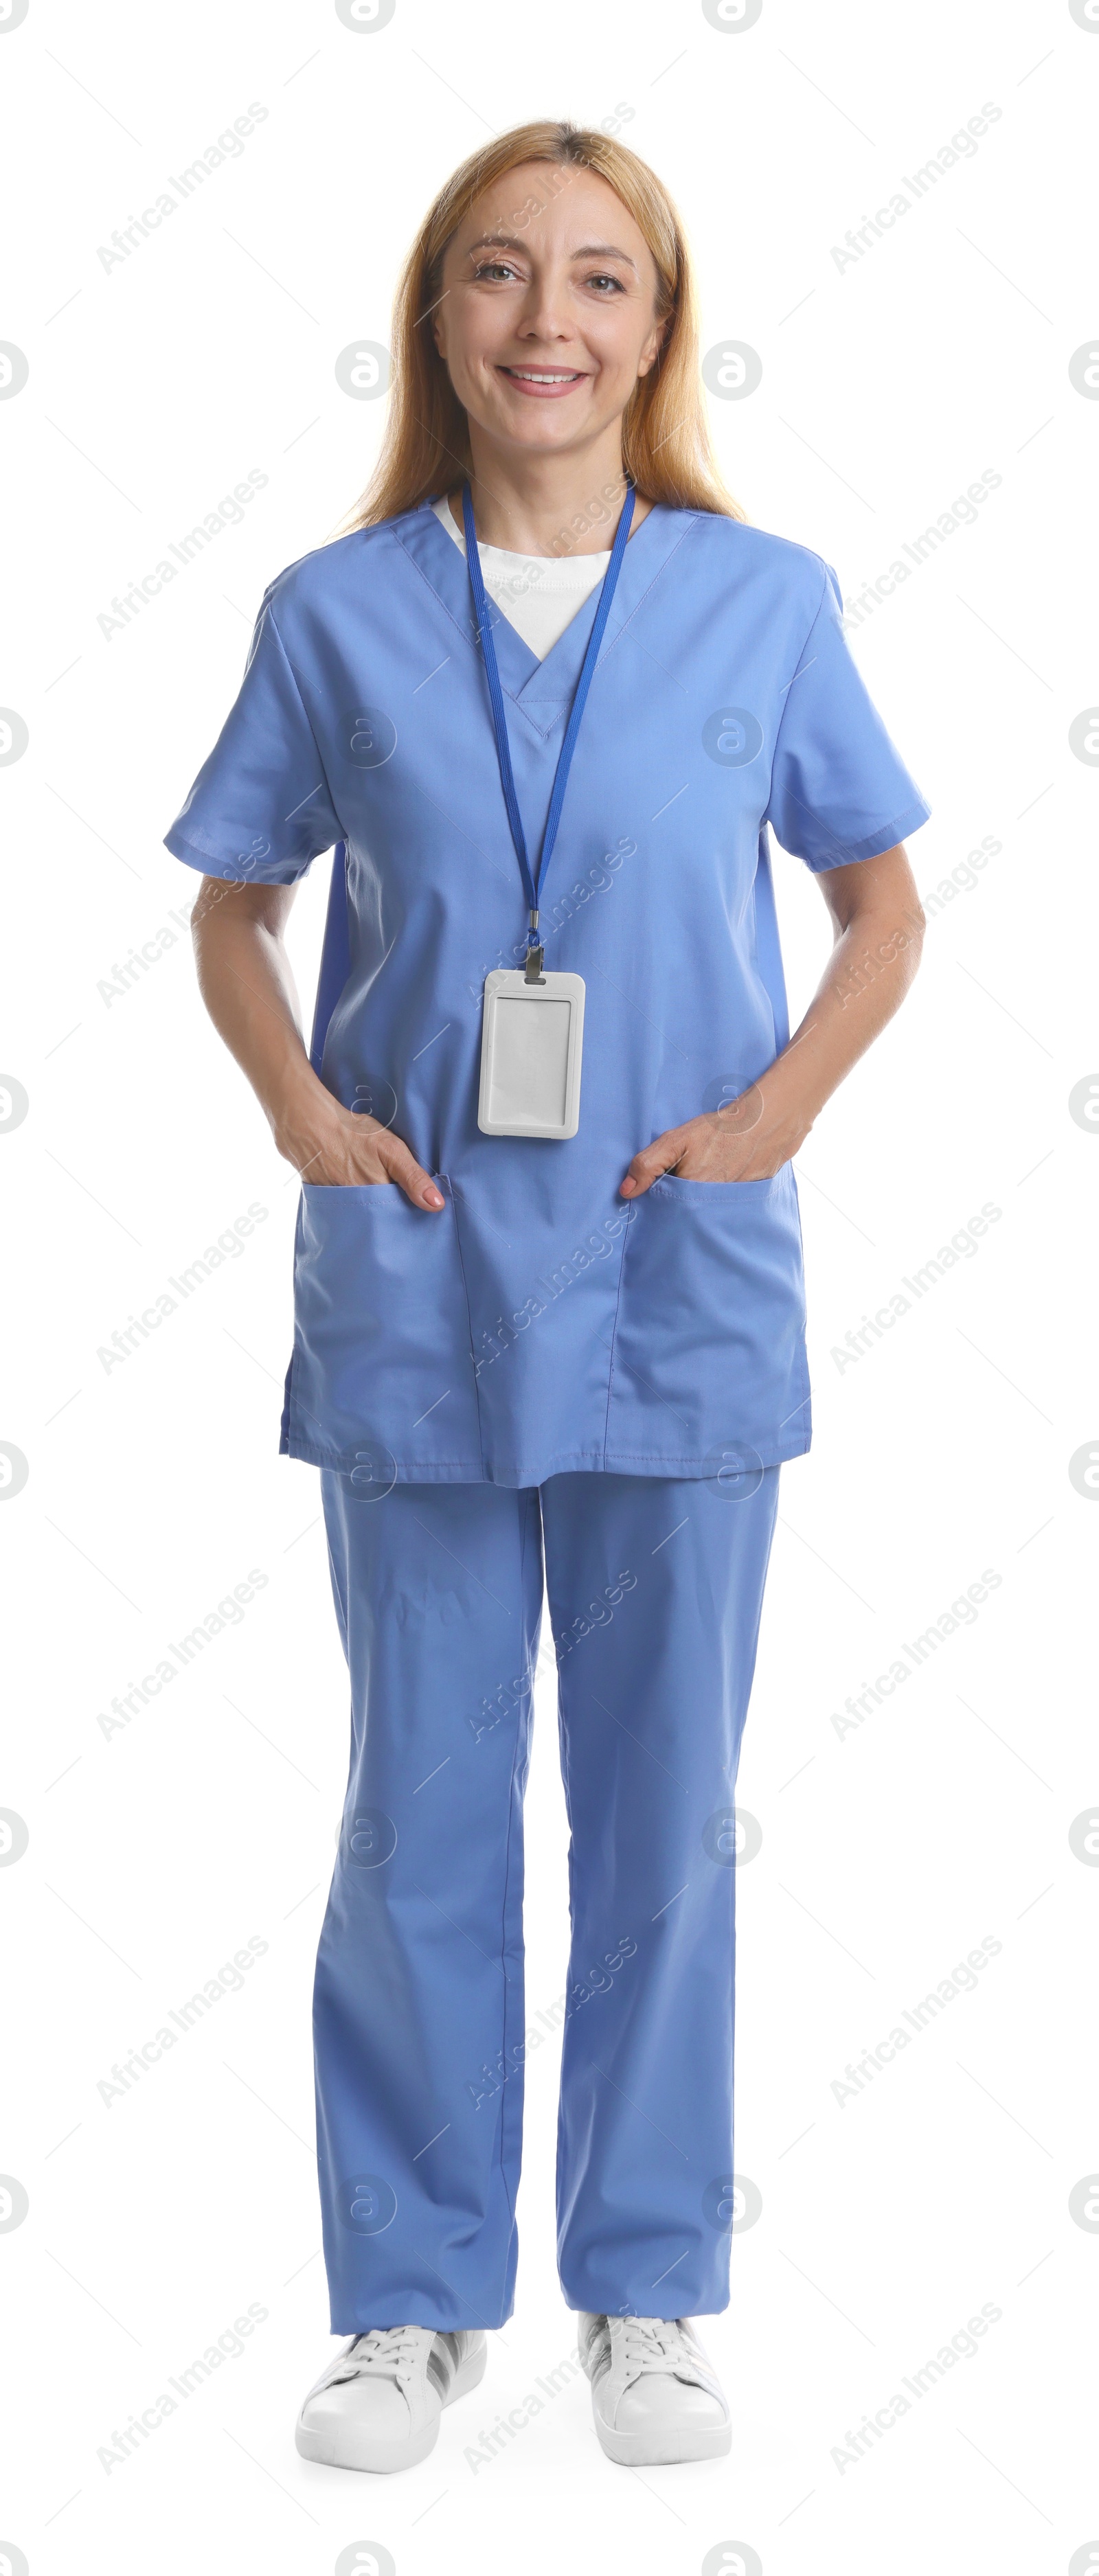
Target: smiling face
pixel 547 315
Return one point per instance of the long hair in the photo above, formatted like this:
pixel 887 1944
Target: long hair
pixel 666 447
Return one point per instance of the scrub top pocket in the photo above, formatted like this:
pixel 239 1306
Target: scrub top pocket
pixel 709 1351
pixel 381 1383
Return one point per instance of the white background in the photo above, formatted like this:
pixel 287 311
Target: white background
pixel 943 1450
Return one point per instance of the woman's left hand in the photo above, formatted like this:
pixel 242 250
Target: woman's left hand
pixel 878 923
pixel 740 1142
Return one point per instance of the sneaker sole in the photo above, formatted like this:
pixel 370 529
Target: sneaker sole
pixel 639 2451
pixel 343 2450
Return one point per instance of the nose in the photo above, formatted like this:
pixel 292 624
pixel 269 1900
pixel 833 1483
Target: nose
pixel 544 314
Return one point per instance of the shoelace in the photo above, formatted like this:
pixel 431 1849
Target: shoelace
pixel 386 2352
pixel 656 2344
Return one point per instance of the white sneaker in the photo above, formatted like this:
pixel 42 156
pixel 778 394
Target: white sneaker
pixel 377 2406
pixel 655 2395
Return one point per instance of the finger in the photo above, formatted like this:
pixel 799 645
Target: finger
pixel 410 1175
pixel 650 1164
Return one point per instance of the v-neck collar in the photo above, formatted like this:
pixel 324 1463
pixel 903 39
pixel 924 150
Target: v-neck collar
pixel 541 690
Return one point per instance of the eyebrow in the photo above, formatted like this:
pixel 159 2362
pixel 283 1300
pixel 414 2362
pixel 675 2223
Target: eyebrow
pixel 590 250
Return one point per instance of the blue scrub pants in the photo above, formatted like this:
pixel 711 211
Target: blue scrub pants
pixel 655 1588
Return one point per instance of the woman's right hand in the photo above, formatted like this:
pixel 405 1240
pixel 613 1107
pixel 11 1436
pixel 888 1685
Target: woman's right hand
pixel 342 1149
pixel 248 988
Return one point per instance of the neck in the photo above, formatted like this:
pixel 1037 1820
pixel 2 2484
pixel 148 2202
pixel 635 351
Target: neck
pixel 548 505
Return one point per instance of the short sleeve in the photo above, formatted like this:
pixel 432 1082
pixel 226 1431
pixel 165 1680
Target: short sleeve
pixel 839 788
pixel 260 809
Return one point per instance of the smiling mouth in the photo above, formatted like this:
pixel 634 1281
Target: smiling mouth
pixel 543 380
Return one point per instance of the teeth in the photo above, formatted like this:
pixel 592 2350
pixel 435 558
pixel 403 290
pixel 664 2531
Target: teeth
pixel 529 377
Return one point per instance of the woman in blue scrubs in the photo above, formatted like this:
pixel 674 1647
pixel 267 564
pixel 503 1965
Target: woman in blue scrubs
pixel 547 699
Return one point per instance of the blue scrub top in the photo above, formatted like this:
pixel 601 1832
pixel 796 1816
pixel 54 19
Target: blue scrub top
pixel 540 1323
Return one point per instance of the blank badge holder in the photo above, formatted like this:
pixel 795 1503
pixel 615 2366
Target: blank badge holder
pixel 531 1043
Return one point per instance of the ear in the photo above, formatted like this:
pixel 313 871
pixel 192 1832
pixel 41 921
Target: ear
pixel 654 345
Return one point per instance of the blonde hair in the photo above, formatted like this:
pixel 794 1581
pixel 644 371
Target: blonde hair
pixel 666 447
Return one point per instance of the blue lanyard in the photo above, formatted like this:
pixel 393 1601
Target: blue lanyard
pixel 507 781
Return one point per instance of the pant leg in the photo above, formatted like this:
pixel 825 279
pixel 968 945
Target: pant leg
pixel 418 2002
pixel 655 1589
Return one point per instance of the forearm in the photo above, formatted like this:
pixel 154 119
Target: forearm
pixel 247 984
pixel 867 976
